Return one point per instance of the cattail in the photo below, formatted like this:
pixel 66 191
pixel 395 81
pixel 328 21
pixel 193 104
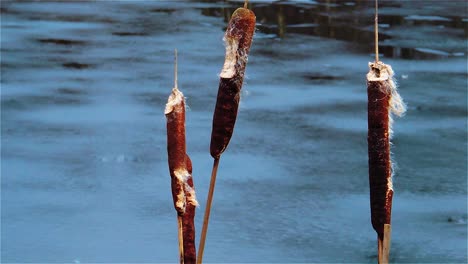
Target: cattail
pixel 238 39
pixel 180 168
pixel 176 149
pixel 383 102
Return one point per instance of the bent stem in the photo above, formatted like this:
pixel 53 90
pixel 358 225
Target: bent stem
pixel 206 217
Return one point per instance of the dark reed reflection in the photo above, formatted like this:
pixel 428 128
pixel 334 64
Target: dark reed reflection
pixel 352 20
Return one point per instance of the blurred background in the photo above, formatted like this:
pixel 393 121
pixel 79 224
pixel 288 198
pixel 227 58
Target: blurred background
pixel 84 174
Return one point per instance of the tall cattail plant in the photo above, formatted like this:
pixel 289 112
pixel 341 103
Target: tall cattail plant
pixel 238 39
pixel 383 102
pixel 180 169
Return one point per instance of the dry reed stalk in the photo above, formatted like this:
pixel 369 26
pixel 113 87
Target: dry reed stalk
pixel 238 39
pixel 383 102
pixel 180 168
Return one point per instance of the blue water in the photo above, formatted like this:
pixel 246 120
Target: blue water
pixel 84 175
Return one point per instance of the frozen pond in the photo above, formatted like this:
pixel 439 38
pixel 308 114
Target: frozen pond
pixel 84 175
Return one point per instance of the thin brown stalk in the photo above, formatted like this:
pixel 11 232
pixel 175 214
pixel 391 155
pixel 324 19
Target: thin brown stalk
pixel 175 69
pixel 181 238
pixel 376 30
pixel 206 218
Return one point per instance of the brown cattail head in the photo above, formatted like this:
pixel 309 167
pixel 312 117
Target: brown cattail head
pixel 238 39
pixel 176 148
pixel 383 100
pixel 175 116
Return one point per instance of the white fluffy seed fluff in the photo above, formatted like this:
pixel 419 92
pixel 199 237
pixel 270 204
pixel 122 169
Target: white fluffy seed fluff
pixel 229 67
pixel 390 183
pixel 180 176
pixel 380 71
pixel 180 203
pixel 175 98
pixel 188 193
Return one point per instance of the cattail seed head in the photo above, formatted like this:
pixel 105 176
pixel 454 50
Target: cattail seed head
pixel 238 39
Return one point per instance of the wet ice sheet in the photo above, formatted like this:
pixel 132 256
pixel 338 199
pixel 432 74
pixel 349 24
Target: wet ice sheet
pixel 85 178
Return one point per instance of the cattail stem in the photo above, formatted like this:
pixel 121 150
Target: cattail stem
pixel 206 218
pixel 175 68
pixel 384 245
pixel 181 238
pixel 376 30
